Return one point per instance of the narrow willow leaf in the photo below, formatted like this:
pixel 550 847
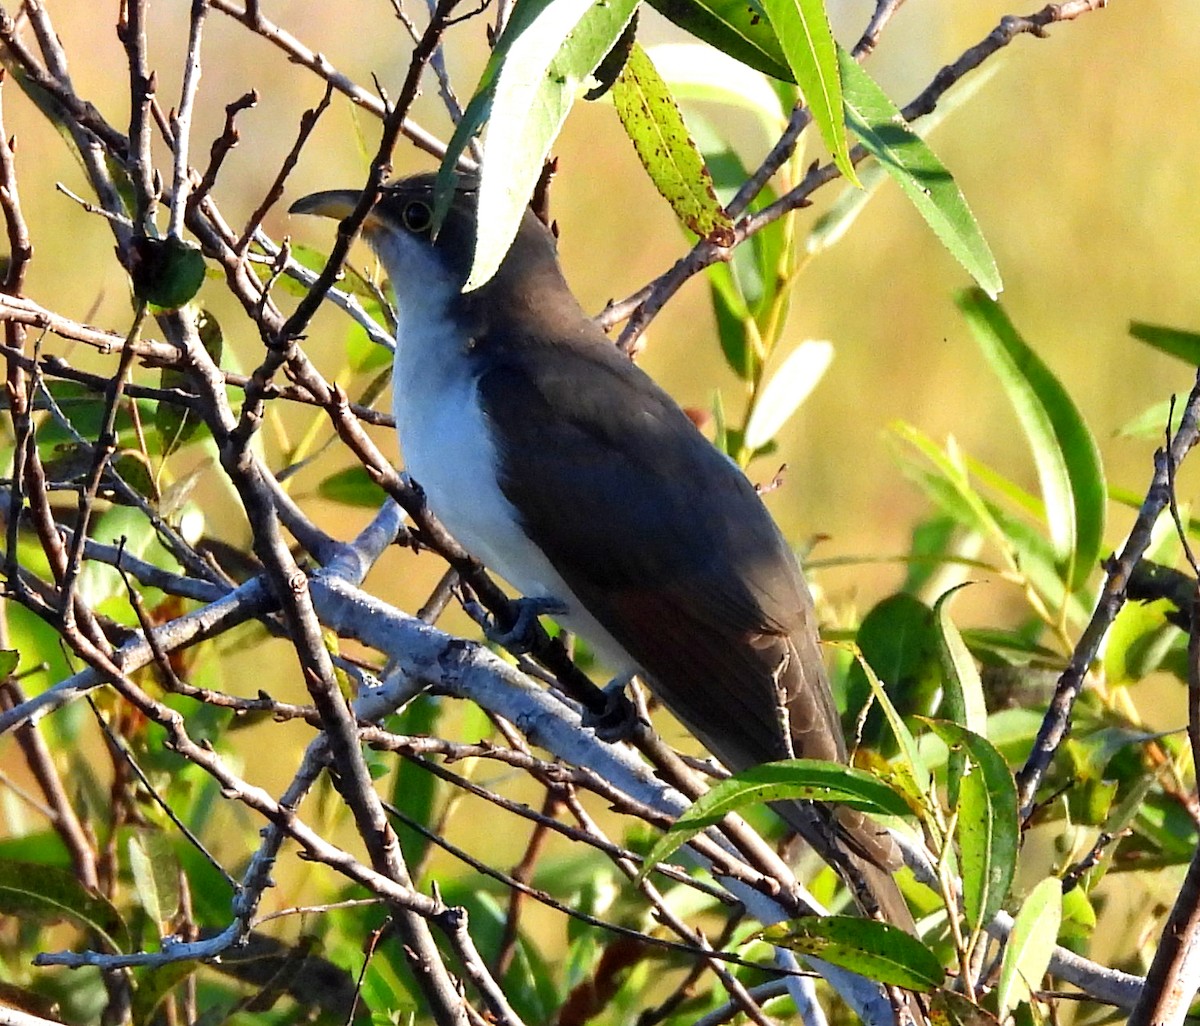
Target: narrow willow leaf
pixel 950 486
pixel 924 178
pixel 540 72
pixel 964 691
pixel 655 126
pixel 879 951
pixel 789 780
pixel 829 227
pixel 807 40
pixel 909 771
pixel 738 28
pixel 1030 945
pixel 1172 341
pixel 963 696
pixel 987 826
pixel 1064 451
pixel 786 390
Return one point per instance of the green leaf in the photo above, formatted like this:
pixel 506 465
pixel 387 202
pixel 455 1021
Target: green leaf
pixel 829 227
pixel 910 770
pixel 920 174
pixel 44 894
pixel 950 487
pixel 786 391
pixel 9 658
pixel 896 639
pixel 655 126
pixel 738 28
pixel 155 875
pixel 1172 341
pixel 1030 945
pixel 1151 423
pixel 879 951
pixel 807 40
pixel 987 826
pixel 166 273
pixel 352 487
pixel 545 54
pixel 788 780
pixel 1064 451
pixel 963 697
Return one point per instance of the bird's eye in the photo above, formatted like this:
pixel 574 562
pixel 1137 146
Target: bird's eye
pixel 417 216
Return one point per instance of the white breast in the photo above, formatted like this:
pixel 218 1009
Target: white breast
pixel 448 450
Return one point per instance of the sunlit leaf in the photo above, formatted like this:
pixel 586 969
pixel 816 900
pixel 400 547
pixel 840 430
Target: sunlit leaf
pixel 1064 451
pixel 545 54
pixel 697 72
pixel 919 173
pixel 830 226
pixel 786 390
pixel 807 40
pixel 655 126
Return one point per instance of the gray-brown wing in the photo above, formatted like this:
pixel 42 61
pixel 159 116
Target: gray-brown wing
pixel 667 544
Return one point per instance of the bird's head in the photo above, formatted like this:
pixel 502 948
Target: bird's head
pixel 427 271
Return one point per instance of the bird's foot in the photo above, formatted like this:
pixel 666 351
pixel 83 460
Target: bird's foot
pixel 618 720
pixel 518 637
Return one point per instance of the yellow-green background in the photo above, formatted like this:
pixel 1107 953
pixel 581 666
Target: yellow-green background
pixel 1079 159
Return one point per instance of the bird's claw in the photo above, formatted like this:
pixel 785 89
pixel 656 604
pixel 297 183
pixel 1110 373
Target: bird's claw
pixel 518 637
pixel 618 720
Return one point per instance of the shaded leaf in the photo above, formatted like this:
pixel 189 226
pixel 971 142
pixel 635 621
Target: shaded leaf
pixel 353 487
pixel 879 951
pixel 166 273
pixel 655 126
pixel 963 696
pixel 919 173
pixel 155 875
pixel 1066 455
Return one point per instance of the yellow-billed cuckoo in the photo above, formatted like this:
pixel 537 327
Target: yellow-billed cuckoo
pixel 561 465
